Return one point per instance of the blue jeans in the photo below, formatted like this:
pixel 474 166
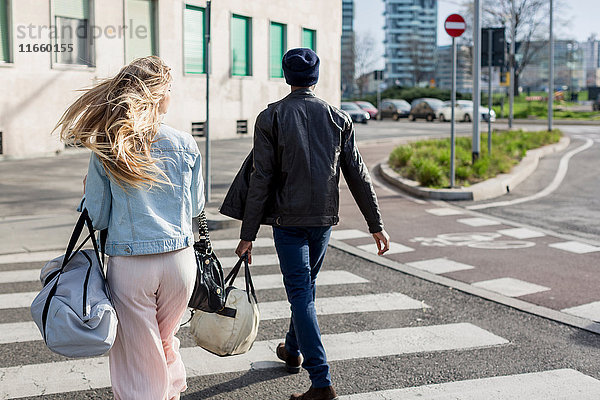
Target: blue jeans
pixel 301 251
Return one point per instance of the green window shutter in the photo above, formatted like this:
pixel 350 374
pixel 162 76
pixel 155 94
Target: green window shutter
pixel 277 49
pixel 77 9
pixel 309 39
pixel 240 46
pixel 140 44
pixel 4 32
pixel 193 40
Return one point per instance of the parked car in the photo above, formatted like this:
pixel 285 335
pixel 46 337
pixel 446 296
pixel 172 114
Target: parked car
pixel 463 111
pixel 368 107
pixel 394 109
pixel 596 104
pixel 357 114
pixel 426 107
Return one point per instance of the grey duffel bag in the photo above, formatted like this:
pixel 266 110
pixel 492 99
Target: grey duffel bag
pixel 73 311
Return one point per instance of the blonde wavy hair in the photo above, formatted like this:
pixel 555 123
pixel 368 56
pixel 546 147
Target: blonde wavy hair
pixel 118 119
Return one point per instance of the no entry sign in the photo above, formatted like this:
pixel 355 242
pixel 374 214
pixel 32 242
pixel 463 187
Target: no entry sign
pixel 455 25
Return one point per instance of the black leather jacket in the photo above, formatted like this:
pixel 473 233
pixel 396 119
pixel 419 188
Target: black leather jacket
pixel 292 177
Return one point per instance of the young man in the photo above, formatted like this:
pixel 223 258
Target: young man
pixel 300 145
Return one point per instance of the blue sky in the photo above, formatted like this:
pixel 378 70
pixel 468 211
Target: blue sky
pixel 583 17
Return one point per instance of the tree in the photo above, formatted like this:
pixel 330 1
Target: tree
pixel 364 60
pixel 420 59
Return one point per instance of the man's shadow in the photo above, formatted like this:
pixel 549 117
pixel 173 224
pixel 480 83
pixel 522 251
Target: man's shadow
pixel 251 377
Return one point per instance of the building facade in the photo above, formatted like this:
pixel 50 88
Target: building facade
pixel 591 51
pixel 348 70
pixel 410 41
pixel 464 69
pixel 569 70
pixel 49 49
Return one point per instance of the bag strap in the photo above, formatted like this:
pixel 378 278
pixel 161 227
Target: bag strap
pixel 84 219
pixel 249 284
pixel 234 271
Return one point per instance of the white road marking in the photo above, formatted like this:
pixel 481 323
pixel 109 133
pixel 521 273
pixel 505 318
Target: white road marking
pixel 346 304
pixel 73 375
pixel 589 311
pixel 395 248
pixel 16 300
pixel 478 222
pixel 19 332
pixel 261 282
pixel 344 234
pixel 259 260
pixel 575 247
pixel 22 275
pixel 232 243
pixel 440 266
pixel 27 331
pixel 563 167
pixel 550 385
pixel 38 256
pixel 521 233
pixel 510 287
pixel 442 212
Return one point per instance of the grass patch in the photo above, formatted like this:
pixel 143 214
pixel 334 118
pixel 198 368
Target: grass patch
pixel 428 161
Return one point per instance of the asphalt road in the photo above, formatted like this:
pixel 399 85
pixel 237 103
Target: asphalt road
pixel 36 209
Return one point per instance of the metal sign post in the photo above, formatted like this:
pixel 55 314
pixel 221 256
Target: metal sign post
pixel 551 77
pixel 476 79
pixel 207 172
pixel 455 26
pixel 489 138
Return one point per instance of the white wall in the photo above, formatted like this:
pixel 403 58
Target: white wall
pixel 33 93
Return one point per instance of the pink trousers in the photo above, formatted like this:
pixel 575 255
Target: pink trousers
pixel 150 294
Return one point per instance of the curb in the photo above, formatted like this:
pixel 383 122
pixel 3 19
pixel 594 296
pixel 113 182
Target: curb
pixel 554 121
pixel 540 311
pixel 488 189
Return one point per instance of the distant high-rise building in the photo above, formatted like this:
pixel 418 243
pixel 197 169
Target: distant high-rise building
pixel 591 61
pixel 464 69
pixel 347 48
pixel 410 41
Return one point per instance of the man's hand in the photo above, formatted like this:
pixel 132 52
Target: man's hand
pixel 382 239
pixel 244 247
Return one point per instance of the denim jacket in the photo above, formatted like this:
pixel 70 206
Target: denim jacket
pixel 149 221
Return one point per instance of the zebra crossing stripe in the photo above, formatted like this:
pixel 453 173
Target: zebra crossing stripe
pixel 232 243
pixel 74 375
pixel 27 331
pixel 23 275
pixel 257 260
pixel 556 384
pixel 36 256
pixel 261 282
pixel 32 275
pixel 16 300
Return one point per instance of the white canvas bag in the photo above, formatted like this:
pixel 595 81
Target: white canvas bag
pixel 233 329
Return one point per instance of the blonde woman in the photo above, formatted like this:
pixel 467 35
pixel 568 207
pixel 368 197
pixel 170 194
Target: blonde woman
pixel 144 184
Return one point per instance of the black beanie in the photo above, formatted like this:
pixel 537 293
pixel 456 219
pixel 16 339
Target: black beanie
pixel 301 67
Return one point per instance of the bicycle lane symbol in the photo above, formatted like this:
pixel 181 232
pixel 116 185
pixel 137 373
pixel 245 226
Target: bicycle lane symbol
pixel 478 240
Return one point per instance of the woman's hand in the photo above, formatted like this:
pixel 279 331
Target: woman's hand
pixel 244 247
pixel 382 239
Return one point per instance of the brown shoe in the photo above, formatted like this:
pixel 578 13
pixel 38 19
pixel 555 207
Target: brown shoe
pixel 292 364
pixel 326 393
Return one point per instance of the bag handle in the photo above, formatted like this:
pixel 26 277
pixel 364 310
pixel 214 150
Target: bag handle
pixel 84 219
pixel 235 270
pixel 249 283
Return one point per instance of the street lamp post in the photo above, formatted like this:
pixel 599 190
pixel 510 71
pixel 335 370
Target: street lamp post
pixel 476 78
pixel 551 65
pixel 207 172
